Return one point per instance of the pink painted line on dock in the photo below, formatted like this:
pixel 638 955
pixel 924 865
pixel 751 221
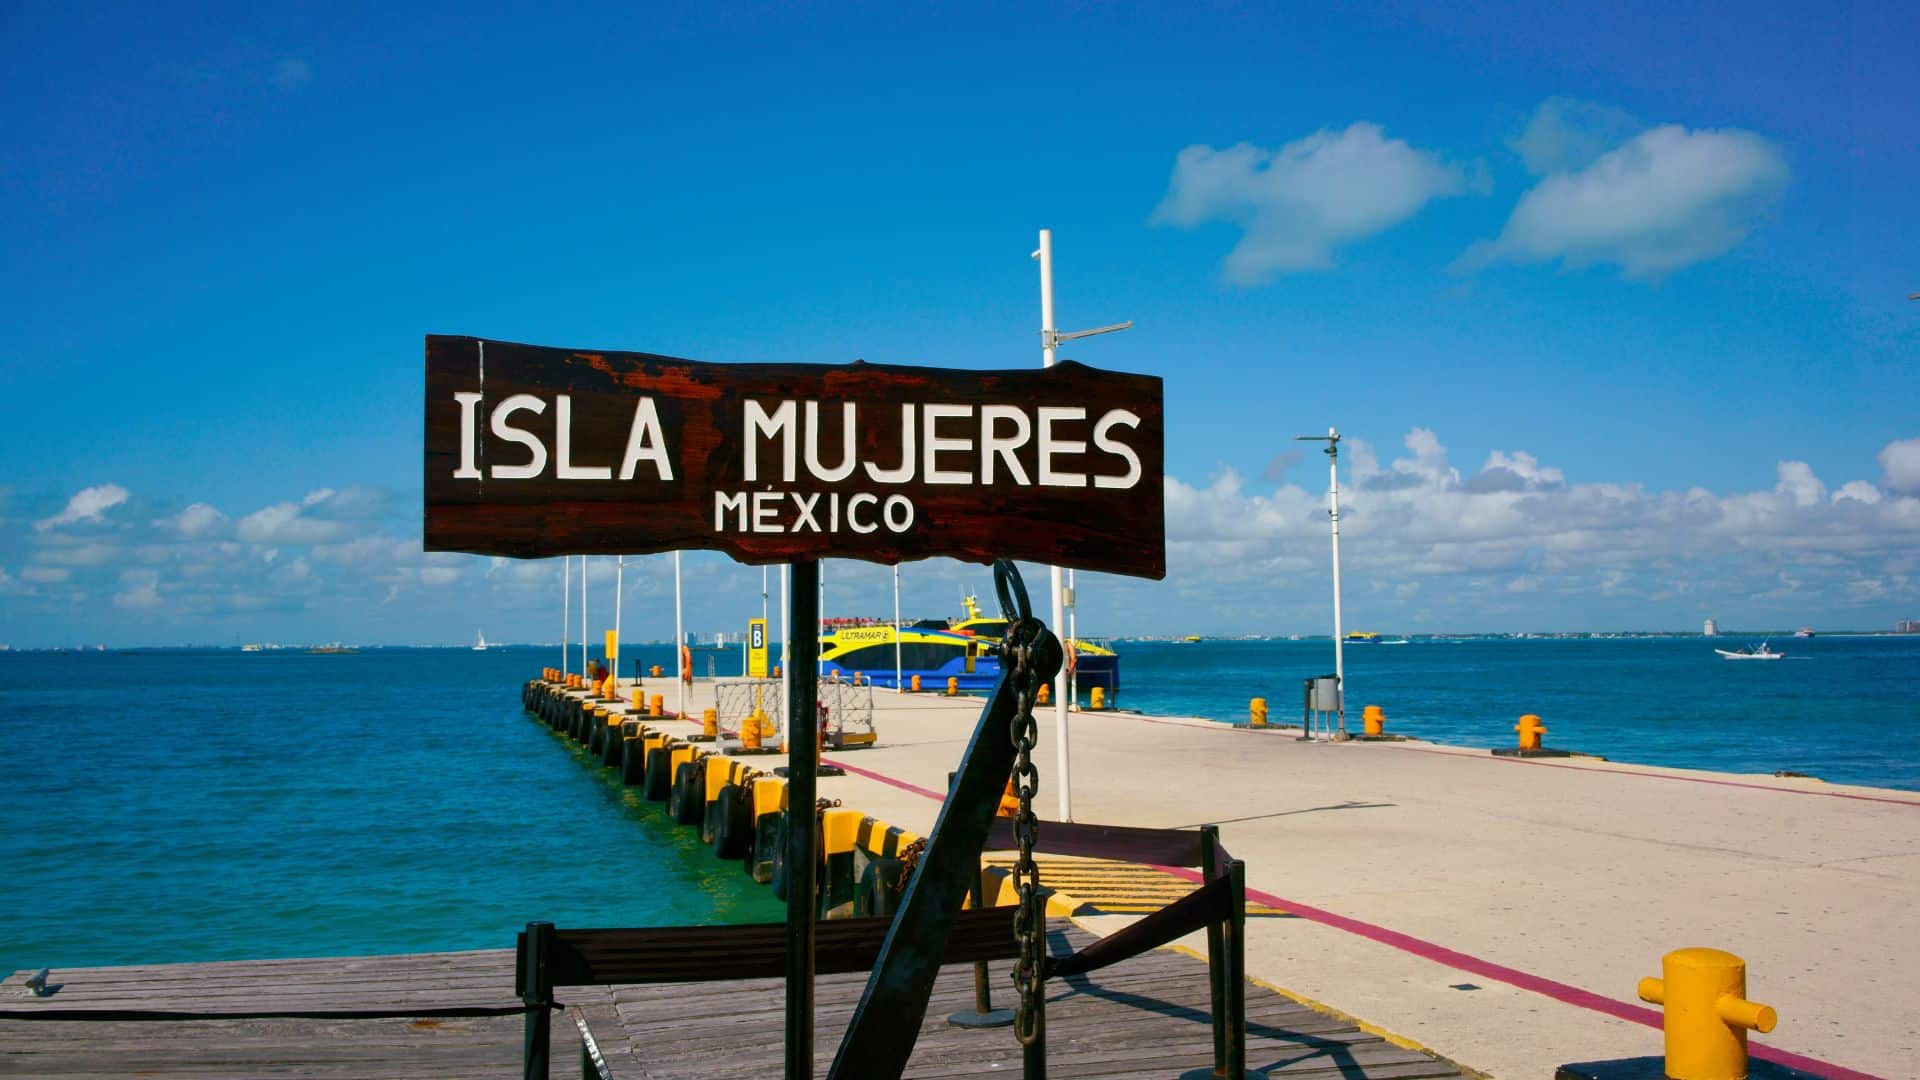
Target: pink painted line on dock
pixel 937 796
pixel 1565 993
pixel 1539 984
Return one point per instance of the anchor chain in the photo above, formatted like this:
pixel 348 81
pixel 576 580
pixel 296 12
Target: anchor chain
pixel 1029 924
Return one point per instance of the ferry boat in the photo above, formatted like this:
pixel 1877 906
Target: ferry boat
pixel 1093 663
pixel 967 649
pixel 1363 637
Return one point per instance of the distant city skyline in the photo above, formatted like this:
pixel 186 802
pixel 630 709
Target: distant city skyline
pixel 1611 307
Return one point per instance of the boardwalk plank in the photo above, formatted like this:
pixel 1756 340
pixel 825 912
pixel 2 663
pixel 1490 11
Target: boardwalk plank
pixel 1147 1017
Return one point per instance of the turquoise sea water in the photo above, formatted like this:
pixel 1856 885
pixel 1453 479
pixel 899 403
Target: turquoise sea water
pixel 1845 709
pixel 196 805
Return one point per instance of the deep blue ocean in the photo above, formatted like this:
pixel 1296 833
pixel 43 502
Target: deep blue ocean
pixel 197 805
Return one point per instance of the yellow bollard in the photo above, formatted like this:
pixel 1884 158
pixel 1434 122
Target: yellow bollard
pixel 750 731
pixel 1257 712
pixel 1707 1014
pixel 1530 729
pixel 656 671
pixel 916 684
pixel 655 705
pixel 1009 801
pixel 953 685
pixel 1375 718
pixel 1045 695
pixel 710 723
pixel 776 671
pixel 638 703
pixel 1097 698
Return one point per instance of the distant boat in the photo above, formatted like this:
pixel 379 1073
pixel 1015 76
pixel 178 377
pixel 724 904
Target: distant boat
pixel 1751 652
pixel 1363 637
pixel 479 641
pixel 333 649
pixel 1190 639
pixel 1805 631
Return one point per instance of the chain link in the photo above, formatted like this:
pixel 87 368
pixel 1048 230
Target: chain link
pixel 909 862
pixel 1029 925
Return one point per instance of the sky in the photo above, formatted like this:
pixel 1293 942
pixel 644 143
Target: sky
pixel 1609 302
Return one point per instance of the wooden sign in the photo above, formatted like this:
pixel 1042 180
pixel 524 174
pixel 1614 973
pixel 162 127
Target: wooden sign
pixel 534 451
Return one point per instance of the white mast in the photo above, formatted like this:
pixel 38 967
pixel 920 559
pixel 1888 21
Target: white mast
pixel 1332 439
pixel 583 615
pixel 1048 347
pixel 1050 340
pixel 619 605
pixel 896 629
pixel 566 606
pixel 682 659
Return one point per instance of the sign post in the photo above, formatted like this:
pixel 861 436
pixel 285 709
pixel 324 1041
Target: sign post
pixel 535 451
pixel 757 666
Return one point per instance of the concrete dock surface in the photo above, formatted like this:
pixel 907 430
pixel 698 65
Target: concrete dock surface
pixel 1499 912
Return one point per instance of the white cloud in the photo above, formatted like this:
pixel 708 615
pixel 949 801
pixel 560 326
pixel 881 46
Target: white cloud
pixel 141 590
pixel 284 523
pixel 438 575
pixel 45 575
pixel 1565 134
pixel 1297 204
pixel 1798 483
pixel 1418 521
pixel 1900 466
pixel 1666 199
pixel 196 520
pixel 88 506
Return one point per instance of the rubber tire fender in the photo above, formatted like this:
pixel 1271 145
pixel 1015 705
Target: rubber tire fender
pixel 689 798
pixel 762 841
pixel 659 782
pixel 876 888
pixel 780 857
pixel 732 823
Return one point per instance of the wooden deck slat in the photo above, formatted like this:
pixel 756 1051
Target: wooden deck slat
pixel 1145 1017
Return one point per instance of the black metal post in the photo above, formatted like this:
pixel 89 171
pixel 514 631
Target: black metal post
pixel 1033 1055
pixel 536 993
pixel 1216 950
pixel 984 1015
pixel 803 742
pixel 1237 974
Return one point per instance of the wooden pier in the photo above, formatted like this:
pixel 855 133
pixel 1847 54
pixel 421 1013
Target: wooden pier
pixel 1147 1017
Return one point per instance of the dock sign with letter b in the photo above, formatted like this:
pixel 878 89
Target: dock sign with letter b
pixel 756 648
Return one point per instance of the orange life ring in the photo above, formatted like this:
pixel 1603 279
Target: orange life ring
pixel 686 664
pixel 1070 654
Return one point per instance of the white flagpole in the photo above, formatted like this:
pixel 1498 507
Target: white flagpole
pixel 1333 513
pixel 896 629
pixel 583 614
pixel 1047 351
pixel 566 608
pixel 619 606
pixel 681 657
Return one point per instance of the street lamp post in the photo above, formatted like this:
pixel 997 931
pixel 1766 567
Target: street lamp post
pixel 1332 439
pixel 1050 340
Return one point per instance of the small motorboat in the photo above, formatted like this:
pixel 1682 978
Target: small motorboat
pixel 1751 652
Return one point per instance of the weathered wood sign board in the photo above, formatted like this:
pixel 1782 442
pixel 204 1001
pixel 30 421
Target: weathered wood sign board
pixel 535 451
